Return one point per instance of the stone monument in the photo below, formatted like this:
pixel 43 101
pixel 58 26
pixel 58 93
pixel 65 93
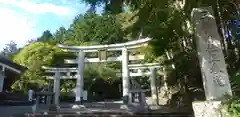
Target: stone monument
pixel 213 67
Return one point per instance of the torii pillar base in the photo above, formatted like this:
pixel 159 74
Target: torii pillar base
pixel 133 106
pixel 154 107
pixel 79 107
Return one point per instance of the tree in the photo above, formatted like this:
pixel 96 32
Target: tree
pixel 60 35
pixel 46 36
pixel 32 41
pixel 34 56
pixel 92 27
pixel 10 49
pixel 38 54
pixel 167 22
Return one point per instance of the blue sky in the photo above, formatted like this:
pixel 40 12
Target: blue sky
pixel 22 20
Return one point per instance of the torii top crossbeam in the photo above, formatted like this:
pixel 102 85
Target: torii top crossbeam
pixel 53 70
pixel 146 65
pixel 111 47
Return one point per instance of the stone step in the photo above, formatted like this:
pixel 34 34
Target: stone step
pixel 115 115
pixel 108 113
pixel 15 103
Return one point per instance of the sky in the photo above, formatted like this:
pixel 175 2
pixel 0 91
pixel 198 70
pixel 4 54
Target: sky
pixel 23 20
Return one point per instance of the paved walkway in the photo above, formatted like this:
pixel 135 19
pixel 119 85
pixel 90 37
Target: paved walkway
pixel 9 111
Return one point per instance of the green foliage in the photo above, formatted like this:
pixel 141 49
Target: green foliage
pixel 33 57
pixel 60 35
pixel 46 36
pixel 167 22
pixel 94 71
pixel 88 29
pixel 235 80
pixel 93 27
pixel 232 107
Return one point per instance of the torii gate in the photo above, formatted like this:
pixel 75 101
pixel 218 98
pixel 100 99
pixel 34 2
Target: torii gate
pixel 57 76
pixel 68 71
pixel 152 74
pixel 81 50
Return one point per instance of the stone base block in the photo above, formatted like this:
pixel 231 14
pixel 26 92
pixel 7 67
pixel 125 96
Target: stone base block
pixel 134 107
pixel 154 107
pixel 124 107
pixel 207 108
pixel 81 107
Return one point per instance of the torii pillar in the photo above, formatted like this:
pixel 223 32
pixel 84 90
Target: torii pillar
pixel 125 75
pixel 56 87
pixel 153 86
pixel 80 77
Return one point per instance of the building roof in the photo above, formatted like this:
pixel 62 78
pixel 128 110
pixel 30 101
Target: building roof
pixel 9 64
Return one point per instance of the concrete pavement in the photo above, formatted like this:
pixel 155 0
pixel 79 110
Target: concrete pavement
pixel 14 111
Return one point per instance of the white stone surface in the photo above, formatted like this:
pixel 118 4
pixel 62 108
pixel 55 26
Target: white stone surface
pixel 207 108
pixel 73 93
pixel 56 88
pixel 109 59
pixel 125 72
pixel 112 47
pixel 81 107
pixel 154 91
pixel 131 74
pixel 212 62
pixel 80 76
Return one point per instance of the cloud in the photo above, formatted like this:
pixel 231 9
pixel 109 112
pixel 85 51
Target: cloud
pixel 40 8
pixel 21 20
pixel 15 26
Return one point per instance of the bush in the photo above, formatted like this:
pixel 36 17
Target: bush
pixel 232 107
